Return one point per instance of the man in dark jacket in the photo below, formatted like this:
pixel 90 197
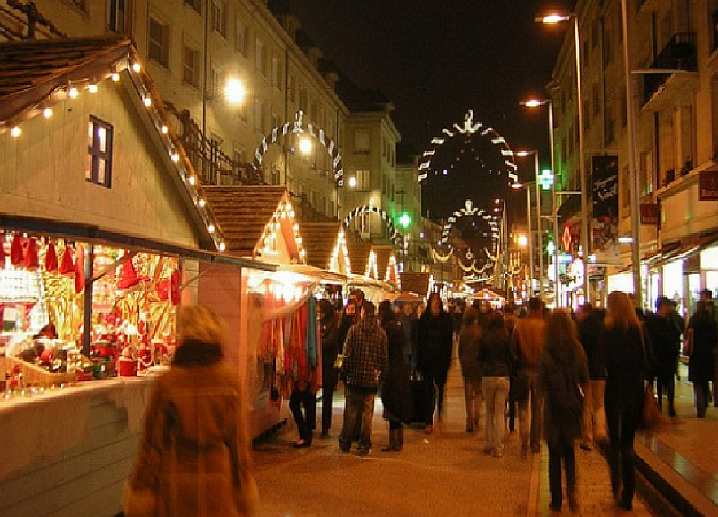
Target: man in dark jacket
pixel 665 336
pixel 365 359
pixel 590 323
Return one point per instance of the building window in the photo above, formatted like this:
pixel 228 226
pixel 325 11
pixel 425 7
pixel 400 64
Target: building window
pixel 363 180
pixel 292 89
pixel 258 55
pixel 362 141
pixel 276 73
pixel 194 4
pixel 645 165
pixel 159 42
pixel 215 82
pixel 241 36
pixel 303 100
pixel 219 17
pixel 116 15
pixel 99 150
pixel 596 99
pixel 625 188
pixel 610 130
pixel 191 66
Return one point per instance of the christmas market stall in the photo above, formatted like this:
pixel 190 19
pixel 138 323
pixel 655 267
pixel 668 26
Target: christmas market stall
pixel 103 225
pixel 272 316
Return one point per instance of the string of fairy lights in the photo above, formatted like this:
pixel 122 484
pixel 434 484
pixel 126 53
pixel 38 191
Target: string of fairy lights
pixel 131 65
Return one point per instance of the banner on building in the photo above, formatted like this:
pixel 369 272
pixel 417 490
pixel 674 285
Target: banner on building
pixel 708 186
pixel 604 194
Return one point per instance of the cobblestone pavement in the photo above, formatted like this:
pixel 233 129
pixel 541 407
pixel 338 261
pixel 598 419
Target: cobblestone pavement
pixel 442 474
pixel 594 487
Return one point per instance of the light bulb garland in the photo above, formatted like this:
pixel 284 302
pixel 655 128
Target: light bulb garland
pixel 269 241
pixel 143 86
pixel 468 128
pixel 394 235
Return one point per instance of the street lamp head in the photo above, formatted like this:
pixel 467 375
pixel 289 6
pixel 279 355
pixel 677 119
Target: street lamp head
pixel 523 240
pixel 305 146
pixel 525 152
pixel 516 186
pixel 234 91
pixel 533 103
pixel 352 181
pixel 553 18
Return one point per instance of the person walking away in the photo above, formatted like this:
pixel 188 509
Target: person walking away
pixel 665 336
pixel 495 359
pixel 530 335
pixel 395 391
pixel 329 327
pixel 707 296
pixel 626 364
pixel 193 457
pixel 409 324
pixel 516 386
pixel 563 377
pixel 303 406
pixel 701 344
pixel 365 359
pixel 470 370
pixel 434 356
pixel 590 323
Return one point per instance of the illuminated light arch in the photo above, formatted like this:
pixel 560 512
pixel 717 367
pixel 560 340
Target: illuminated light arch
pixel 469 127
pixel 297 127
pixel 471 211
pixel 394 235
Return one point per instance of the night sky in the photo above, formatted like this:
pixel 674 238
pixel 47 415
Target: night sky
pixel 435 60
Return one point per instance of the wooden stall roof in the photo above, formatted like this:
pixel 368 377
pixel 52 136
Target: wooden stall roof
pixel 383 254
pixel 319 239
pixel 32 70
pixel 358 253
pixel 242 212
pixel 415 282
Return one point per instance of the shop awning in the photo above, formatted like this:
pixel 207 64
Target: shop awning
pixel 96 235
pixel 681 249
pixel 316 273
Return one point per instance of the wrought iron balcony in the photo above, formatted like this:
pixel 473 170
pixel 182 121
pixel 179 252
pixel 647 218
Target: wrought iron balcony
pixel 678 54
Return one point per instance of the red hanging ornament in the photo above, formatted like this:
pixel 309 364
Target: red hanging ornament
pixel 79 268
pixel 32 261
pixel 128 276
pixel 16 254
pixel 67 266
pixel 51 258
pixel 175 286
pixel 163 289
pixel 2 250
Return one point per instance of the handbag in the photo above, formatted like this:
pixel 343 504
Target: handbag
pixel 650 414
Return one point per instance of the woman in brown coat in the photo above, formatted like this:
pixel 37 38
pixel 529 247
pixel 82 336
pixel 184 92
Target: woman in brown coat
pixel 193 459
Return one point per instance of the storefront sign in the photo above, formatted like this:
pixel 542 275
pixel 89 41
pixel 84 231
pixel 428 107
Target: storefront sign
pixel 708 186
pixel 650 213
pixel 566 239
pixel 604 171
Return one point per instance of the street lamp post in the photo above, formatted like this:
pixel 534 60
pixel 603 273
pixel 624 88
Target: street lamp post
pixel 539 231
pixel 529 238
pixel 553 19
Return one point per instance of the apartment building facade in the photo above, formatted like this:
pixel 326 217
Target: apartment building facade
pixel 674 63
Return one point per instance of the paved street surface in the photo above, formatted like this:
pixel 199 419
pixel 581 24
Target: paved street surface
pixel 442 474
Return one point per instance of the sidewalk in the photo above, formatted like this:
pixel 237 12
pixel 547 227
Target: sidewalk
pixel 684 450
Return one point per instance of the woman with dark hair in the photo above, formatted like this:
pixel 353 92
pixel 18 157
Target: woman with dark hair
pixel 562 377
pixel 193 457
pixel 329 326
pixel 435 339
pixel 700 346
pixel 622 341
pixel 395 395
pixel 495 360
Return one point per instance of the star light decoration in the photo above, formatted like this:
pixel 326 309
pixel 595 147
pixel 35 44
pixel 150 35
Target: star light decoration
pixel 469 128
pixel 297 127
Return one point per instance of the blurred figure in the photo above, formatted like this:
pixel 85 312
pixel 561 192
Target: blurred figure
pixel 701 344
pixel 563 373
pixel 434 355
pixel 395 392
pixel 590 323
pixel 665 337
pixel 622 341
pixel 469 359
pixel 496 360
pixel 330 350
pixel 707 296
pixel 365 359
pixel 303 405
pixel 409 325
pixel 193 457
pixel 530 335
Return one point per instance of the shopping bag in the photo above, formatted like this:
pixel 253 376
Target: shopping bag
pixel 650 415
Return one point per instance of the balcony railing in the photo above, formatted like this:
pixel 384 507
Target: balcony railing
pixel 22 21
pixel 678 54
pixel 211 163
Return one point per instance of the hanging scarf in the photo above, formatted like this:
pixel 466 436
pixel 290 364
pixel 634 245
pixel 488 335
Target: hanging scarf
pixel 51 258
pixel 16 255
pixel 79 268
pixel 67 266
pixel 312 331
